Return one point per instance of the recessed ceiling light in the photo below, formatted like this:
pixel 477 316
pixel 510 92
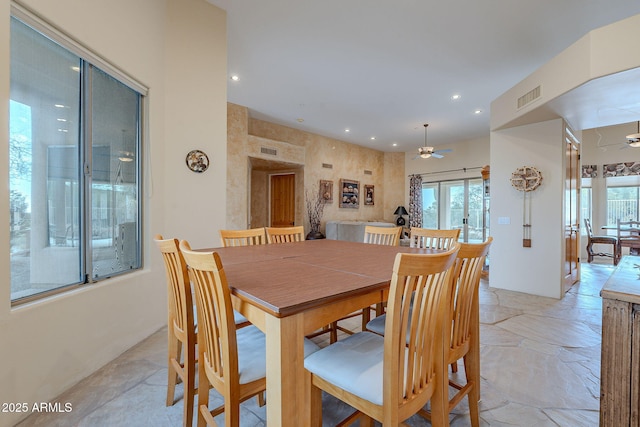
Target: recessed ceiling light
pixel 347 130
pixel 395 144
pixel 58 105
pixel 477 112
pixel 75 68
pixel 235 78
pixel 61 120
pixel 373 138
pixel 300 120
pixel 455 96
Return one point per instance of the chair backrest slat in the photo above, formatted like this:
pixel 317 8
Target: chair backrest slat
pixel 628 231
pixel 587 225
pixel 285 234
pixel 389 236
pixel 252 236
pixel 433 238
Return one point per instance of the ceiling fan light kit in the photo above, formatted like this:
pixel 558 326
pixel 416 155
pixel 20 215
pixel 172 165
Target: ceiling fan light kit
pixel 633 140
pixel 425 152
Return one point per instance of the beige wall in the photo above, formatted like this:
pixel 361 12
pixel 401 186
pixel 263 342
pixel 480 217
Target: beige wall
pixel 177 48
pixel 514 142
pixel 536 270
pixel 304 153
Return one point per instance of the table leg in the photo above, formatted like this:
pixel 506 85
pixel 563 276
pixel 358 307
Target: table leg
pixel 287 399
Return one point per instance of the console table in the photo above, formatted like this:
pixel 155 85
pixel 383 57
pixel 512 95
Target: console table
pixel 352 231
pixel 620 363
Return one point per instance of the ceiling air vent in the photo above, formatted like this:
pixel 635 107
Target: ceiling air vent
pixel 270 151
pixel 368 172
pixel 327 165
pixel 529 97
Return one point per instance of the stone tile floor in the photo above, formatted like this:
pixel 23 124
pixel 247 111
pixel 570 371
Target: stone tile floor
pixel 540 367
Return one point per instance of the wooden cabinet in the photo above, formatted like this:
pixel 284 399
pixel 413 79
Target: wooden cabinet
pixel 620 363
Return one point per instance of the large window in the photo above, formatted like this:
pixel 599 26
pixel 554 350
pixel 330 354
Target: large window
pixel 622 203
pixel 73 164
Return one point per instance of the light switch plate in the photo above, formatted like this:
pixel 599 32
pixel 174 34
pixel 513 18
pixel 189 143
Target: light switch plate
pixel 504 220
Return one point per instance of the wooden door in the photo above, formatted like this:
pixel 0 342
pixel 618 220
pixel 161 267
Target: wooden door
pixel 572 224
pixel 283 200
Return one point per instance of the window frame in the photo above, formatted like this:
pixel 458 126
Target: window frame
pixel 89 61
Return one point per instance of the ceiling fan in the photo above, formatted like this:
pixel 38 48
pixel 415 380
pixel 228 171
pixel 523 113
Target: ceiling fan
pixel 426 151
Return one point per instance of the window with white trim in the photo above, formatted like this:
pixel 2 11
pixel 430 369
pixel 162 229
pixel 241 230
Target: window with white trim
pixel 623 198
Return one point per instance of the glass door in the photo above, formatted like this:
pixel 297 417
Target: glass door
pixel 455 204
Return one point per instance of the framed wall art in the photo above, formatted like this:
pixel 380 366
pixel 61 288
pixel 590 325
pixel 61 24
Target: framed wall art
pixel 349 194
pixel 369 195
pixel 326 191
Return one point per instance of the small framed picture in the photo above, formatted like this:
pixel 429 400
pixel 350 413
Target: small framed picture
pixel 369 195
pixel 349 194
pixel 326 191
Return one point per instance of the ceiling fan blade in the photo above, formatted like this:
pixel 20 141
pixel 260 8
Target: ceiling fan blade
pixel 436 155
pixel 446 150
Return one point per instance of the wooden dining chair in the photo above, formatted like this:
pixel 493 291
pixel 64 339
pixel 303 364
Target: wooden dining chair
pixel 181 360
pixel 389 236
pixel 241 352
pixel 628 233
pixel 465 325
pixel 389 378
pixel 600 240
pixel 232 360
pixel 464 313
pixel 252 236
pixel 285 234
pixel 433 238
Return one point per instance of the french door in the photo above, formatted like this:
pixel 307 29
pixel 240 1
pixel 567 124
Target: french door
pixel 454 204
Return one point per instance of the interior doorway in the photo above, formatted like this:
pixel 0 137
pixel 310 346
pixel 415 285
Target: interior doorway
pixel 262 209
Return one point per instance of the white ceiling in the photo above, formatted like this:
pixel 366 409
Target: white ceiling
pixel 383 68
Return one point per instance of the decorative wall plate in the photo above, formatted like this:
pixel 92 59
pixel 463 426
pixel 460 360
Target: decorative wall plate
pixel 197 161
pixel 526 178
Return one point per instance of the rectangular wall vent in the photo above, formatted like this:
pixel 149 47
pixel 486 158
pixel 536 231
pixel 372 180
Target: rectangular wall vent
pixel 529 97
pixel 368 172
pixel 270 151
pixel 327 165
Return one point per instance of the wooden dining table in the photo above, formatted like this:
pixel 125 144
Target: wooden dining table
pixel 292 289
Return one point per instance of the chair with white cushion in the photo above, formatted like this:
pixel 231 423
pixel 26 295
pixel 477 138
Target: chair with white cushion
pixel 389 378
pixel 233 361
pixel 465 332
